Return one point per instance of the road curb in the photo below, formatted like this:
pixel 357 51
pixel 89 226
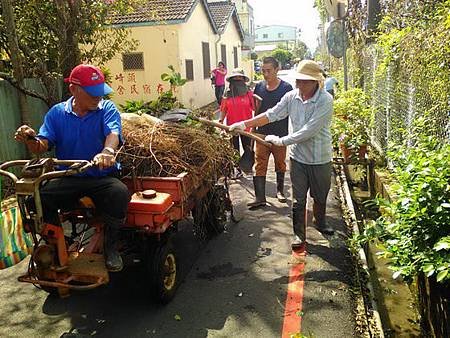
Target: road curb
pixel 374 325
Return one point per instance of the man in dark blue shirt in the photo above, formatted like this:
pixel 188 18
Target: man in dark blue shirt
pixel 268 93
pixel 85 127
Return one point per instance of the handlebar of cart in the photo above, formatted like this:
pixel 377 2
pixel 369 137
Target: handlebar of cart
pixel 34 172
pixel 74 167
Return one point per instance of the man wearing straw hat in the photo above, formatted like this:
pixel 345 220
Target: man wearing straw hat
pixel 310 110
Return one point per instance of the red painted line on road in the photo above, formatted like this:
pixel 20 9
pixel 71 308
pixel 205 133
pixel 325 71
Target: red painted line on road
pixel 294 299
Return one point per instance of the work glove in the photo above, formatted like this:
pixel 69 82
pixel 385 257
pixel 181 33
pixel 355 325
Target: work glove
pixel 104 160
pixel 238 126
pixel 275 140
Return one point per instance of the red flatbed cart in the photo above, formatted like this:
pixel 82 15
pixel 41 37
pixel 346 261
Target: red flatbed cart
pixel 69 257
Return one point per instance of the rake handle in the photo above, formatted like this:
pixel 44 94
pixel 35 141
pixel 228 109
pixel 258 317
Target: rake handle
pixel 236 131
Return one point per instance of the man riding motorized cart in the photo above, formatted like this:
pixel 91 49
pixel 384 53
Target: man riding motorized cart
pixel 80 212
pixel 85 127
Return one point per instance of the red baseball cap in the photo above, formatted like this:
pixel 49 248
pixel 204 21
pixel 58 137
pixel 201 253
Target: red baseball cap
pixel 90 78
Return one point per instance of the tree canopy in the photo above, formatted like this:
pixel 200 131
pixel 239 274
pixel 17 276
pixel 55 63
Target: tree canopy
pixel 46 39
pixel 283 56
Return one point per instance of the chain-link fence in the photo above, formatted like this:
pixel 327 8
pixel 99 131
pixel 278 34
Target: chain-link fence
pixel 397 103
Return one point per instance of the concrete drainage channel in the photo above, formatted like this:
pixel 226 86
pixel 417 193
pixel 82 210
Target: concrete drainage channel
pixel 368 318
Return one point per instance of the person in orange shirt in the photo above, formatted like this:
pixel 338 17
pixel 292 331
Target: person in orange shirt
pixel 237 105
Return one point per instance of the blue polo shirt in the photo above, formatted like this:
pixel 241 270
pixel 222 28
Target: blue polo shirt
pixel 81 138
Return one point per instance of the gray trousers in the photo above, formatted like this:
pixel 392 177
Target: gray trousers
pixel 304 177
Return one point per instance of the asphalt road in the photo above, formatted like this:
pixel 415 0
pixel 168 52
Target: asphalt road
pixel 234 285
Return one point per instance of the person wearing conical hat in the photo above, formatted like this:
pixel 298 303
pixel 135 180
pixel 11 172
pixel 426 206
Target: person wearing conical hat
pixel 237 105
pixel 309 108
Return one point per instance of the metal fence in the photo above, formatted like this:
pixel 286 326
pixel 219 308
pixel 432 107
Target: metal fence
pixel 397 103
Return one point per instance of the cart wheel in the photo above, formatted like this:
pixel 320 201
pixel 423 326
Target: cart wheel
pixel 200 216
pixel 217 210
pixel 164 273
pixel 42 260
pixel 210 215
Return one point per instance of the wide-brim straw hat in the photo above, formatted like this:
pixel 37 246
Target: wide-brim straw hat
pixel 238 72
pixel 309 70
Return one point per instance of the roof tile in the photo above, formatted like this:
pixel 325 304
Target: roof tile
pixel 221 12
pixel 156 11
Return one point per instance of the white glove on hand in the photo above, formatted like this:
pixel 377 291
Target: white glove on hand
pixel 275 140
pixel 237 126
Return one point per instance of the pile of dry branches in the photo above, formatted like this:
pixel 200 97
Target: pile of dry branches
pixel 162 149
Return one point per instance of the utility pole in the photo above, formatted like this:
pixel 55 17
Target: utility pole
pixel 344 55
pixel 342 14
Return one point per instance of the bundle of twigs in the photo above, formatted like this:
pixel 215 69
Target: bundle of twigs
pixel 165 149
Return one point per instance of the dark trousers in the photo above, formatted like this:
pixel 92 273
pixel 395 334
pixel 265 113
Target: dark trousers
pixel 109 195
pixel 304 177
pixel 218 90
pixel 246 143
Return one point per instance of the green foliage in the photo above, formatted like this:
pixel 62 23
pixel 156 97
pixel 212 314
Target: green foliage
pixel 165 101
pixel 282 55
pixel 54 36
pixel 258 77
pixel 412 55
pixel 301 51
pixel 174 78
pixel 319 4
pixel 136 107
pixel 413 41
pixel 414 229
pixel 351 119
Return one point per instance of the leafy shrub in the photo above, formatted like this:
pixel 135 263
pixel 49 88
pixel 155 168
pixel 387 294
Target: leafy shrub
pixel 351 119
pixel 165 101
pixel 174 78
pixel 414 229
pixel 138 107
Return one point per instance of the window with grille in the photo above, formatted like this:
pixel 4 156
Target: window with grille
pixel 206 60
pixel 133 61
pixel 190 70
pixel 235 54
pixel 265 36
pixel 223 54
pixel 280 35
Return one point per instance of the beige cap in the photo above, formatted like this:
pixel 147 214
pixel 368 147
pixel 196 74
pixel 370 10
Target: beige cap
pixel 309 70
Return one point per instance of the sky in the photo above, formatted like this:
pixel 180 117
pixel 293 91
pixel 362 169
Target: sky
pixel 298 13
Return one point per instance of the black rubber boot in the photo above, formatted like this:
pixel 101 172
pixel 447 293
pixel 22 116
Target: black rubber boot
pixel 259 182
pixel 299 225
pixel 280 187
pixel 113 259
pixel 319 211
